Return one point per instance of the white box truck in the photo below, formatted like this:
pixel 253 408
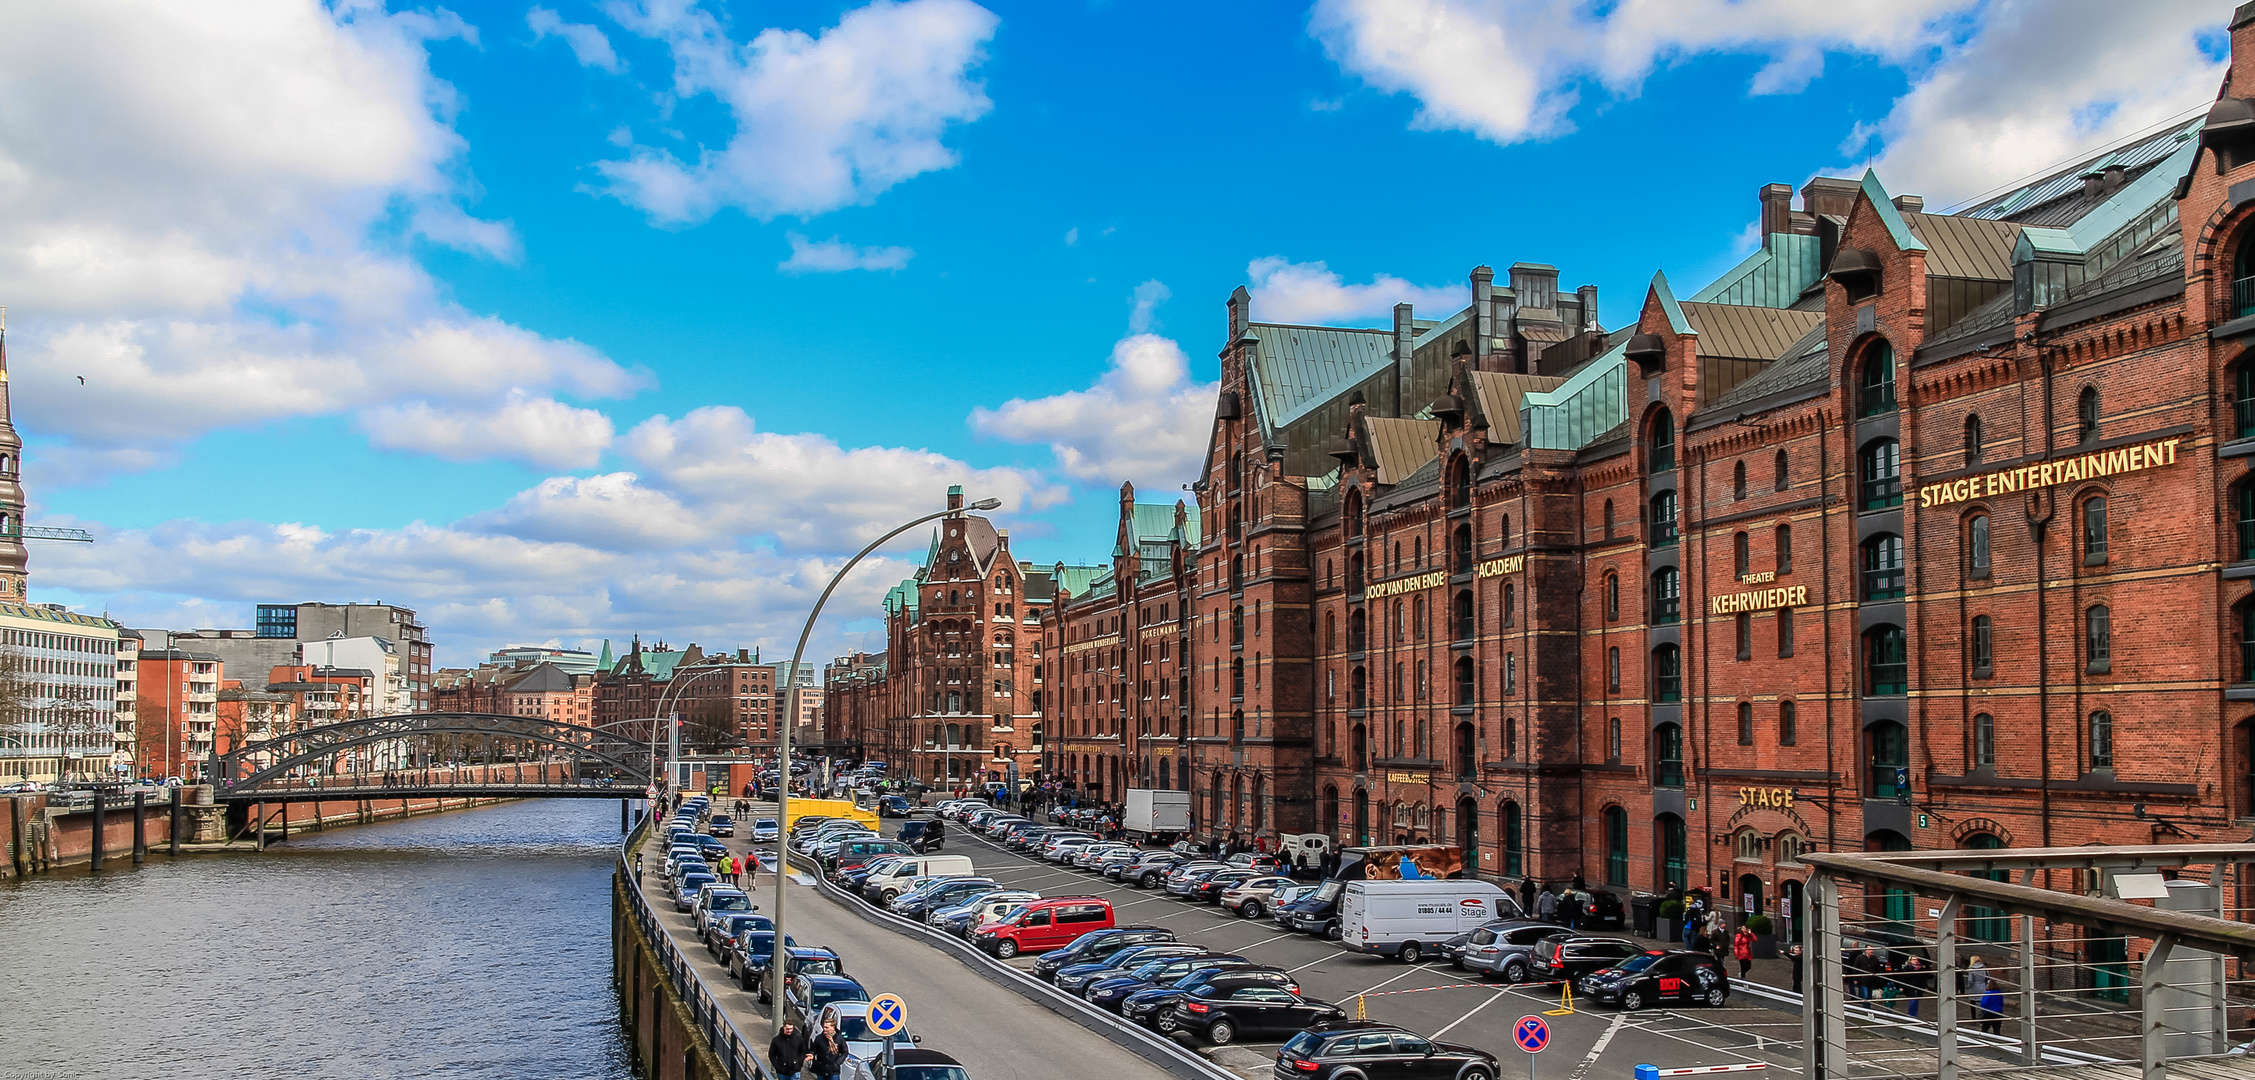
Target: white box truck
pixel 1408 918
pixel 1156 815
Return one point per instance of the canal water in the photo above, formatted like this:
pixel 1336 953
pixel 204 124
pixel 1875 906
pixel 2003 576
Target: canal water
pixel 471 944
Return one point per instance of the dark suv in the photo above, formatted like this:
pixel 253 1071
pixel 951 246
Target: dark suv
pixel 1362 1049
pixel 1089 948
pixel 1656 977
pixel 1565 959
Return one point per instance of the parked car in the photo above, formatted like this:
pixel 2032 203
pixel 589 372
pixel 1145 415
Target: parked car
pixel 1073 978
pixel 853 1027
pixel 963 920
pixel 1150 1005
pixel 1252 896
pixel 923 836
pixel 1099 944
pixel 807 994
pixel 893 806
pixel 921 1064
pixel 1208 889
pixel 721 825
pixel 1044 925
pixel 766 831
pixel 1657 977
pixel 1566 958
pixel 748 958
pixel 1507 950
pixel 685 890
pixel 1108 993
pixel 1226 1008
pixel 727 928
pixel 1363 1048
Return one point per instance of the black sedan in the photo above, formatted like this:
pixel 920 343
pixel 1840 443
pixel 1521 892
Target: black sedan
pixel 1074 978
pixel 1360 1048
pixel 1656 977
pixel 1109 993
pixel 1098 945
pixel 920 1064
pixel 1152 1006
pixel 1225 1009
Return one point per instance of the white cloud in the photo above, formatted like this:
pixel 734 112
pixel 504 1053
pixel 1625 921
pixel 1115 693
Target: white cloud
pixel 2038 84
pixel 1288 292
pixel 537 432
pixel 610 511
pixel 210 215
pixel 1143 420
pixel 835 256
pixel 1072 236
pixel 822 121
pixel 587 42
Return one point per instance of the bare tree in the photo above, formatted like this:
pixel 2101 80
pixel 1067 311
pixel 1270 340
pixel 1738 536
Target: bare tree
pixel 152 736
pixel 19 722
pixel 708 725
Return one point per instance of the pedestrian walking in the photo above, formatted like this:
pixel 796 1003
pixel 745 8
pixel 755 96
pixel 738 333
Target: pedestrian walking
pixel 1546 905
pixel 828 1053
pixel 1526 894
pixel 1800 960
pixel 1918 981
pixel 788 1052
pixel 1570 910
pixel 1742 948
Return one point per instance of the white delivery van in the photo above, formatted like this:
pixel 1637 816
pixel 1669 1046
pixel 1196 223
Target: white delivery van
pixel 1408 918
pixel 896 878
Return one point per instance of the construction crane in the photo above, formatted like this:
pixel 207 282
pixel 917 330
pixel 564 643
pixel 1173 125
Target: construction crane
pixel 56 532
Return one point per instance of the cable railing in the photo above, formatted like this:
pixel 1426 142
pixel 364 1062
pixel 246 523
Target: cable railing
pixel 734 1048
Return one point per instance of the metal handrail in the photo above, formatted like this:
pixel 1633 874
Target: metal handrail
pixel 735 1050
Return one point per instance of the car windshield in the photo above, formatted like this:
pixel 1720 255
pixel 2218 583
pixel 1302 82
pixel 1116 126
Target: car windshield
pixel 738 902
pixel 824 995
pixel 819 965
pixel 855 1028
pixel 1149 971
pixel 930 1072
pixel 1639 963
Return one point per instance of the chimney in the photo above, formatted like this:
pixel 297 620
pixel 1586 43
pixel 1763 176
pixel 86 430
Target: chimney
pixel 1910 204
pixel 1588 293
pixel 1483 303
pixel 1405 344
pixel 1240 313
pixel 955 497
pixel 1535 284
pixel 1777 208
pixel 1830 196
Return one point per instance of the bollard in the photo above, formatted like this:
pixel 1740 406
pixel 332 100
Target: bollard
pixel 94 862
pixel 140 827
pixel 1648 1072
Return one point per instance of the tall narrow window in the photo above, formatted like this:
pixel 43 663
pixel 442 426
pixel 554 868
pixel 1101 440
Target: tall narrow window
pixel 1616 846
pixel 1984 741
pixel 1667 756
pixel 1785 549
pixel 1613 739
pixel 1613 595
pixel 2094 530
pixel 1667 674
pixel 1881 472
pixel 1664 519
pixel 1984 659
pixel 1662 445
pixel 1513 845
pixel 1742 554
pixel 1886 662
pixel 1745 723
pixel 1788 723
pixel 1667 595
pixel 1781 480
pixel 1876 395
pixel 2243 406
pixel 2243 500
pixel 2102 740
pixel 1889 745
pixel 1613 669
pixel 1745 635
pixel 2098 639
pixel 1784 631
pixel 1609 519
pixel 2086 415
pixel 1510 604
pixel 1977 546
pixel 1738 481
pixel 1883 567
pixel 1973 439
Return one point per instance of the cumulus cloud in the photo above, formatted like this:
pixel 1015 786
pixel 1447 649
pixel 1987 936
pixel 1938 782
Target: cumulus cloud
pixel 1289 292
pixel 587 42
pixel 211 215
pixel 822 121
pixel 611 511
pixel 835 256
pixel 1143 420
pixel 534 431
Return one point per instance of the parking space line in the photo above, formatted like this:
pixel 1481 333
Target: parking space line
pixel 1304 967
pixel 1492 999
pixel 1603 1041
pixel 1414 970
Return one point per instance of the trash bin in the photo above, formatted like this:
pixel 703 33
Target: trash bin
pixel 1641 908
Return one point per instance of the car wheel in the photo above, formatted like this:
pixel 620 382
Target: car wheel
pixel 1331 932
pixel 1221 1032
pixel 1473 1074
pixel 1411 952
pixel 1631 1001
pixel 1514 972
pixel 1716 996
pixel 1147 881
pixel 1251 909
pixel 1006 948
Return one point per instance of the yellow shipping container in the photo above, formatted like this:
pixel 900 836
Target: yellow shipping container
pixel 830 808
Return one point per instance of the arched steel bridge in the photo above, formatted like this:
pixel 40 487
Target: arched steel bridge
pixel 303 766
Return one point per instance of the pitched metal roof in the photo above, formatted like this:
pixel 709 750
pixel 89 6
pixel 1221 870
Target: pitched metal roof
pixel 1883 204
pixel 1155 521
pixel 1775 276
pixel 2131 156
pixel 1966 247
pixel 1501 393
pixel 1807 360
pixel 1296 368
pixel 1401 447
pixel 1748 333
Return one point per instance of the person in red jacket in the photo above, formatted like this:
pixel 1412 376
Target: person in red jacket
pixel 1742 947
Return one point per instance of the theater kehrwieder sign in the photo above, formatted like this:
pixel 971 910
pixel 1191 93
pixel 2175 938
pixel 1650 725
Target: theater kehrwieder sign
pixel 2067 469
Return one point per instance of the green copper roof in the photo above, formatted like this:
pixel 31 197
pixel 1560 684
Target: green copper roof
pixel 1674 311
pixel 1773 277
pixel 1884 205
pixel 1077 579
pixel 660 665
pixel 1296 368
pixel 609 659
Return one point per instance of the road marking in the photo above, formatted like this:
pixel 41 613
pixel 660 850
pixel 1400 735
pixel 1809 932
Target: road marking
pixel 1492 999
pixel 1304 967
pixel 1413 970
pixel 1603 1040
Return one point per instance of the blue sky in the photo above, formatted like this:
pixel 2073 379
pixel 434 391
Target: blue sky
pixel 574 320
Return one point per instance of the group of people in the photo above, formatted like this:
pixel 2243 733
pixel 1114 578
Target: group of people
pixel 1879 977
pixel 798 1057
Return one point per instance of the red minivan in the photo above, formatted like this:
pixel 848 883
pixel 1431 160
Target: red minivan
pixel 1045 924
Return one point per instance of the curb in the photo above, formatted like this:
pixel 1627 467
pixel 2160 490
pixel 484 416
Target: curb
pixel 1158 1050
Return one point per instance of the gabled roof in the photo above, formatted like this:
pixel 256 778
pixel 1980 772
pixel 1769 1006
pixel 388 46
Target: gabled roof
pixel 1775 276
pixel 1748 333
pixel 543 679
pixel 1401 447
pixel 1500 395
pixel 1966 247
pixel 1807 360
pixel 1668 305
pixel 2065 186
pixel 1077 579
pixel 1296 368
pixel 1883 204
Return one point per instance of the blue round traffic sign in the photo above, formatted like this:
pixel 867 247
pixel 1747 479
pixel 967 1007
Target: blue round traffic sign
pixel 1532 1034
pixel 887 1015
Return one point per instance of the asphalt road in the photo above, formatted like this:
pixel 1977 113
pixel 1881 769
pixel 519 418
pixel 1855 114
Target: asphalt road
pixel 994 1032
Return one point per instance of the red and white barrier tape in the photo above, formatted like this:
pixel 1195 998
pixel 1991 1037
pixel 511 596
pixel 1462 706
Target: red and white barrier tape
pixel 1699 1069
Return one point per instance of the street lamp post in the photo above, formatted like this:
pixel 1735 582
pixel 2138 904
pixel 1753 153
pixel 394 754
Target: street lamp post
pixel 672 687
pixel 783 749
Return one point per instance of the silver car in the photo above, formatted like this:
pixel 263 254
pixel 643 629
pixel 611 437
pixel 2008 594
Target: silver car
pixel 1508 950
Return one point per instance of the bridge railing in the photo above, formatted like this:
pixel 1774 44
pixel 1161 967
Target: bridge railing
pixel 729 1041
pixel 548 774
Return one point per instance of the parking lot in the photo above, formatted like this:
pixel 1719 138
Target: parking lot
pixel 1430 997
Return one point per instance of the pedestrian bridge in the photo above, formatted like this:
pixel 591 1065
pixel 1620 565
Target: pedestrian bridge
pixel 365 759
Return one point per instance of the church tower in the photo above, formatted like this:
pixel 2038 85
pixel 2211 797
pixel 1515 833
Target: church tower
pixel 14 579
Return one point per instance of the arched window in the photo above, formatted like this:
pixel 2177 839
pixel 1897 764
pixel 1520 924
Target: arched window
pixel 1237 678
pixel 2086 415
pixel 1616 846
pixel 1467 624
pixel 1788 723
pixel 1667 596
pixel 1330 631
pixel 2243 404
pixel 1460 482
pixel 1467 755
pixel 1417 550
pixel 1883 567
pixel 1675 852
pixel 1467 681
pixel 1510 737
pixel 1613 737
pixel 1361 748
pixel 1358 689
pixel 1510 604
pixel 1781 481
pixel 1880 467
pixel 1983 647
pixel 2094 530
pixel 1417 618
pixel 1609 519
pixel 1461 548
pixel 1738 481
pixel 1357 630
pixel 1503 532
pixel 1888 749
pixel 1984 741
pixel 1742 554
pixel 1745 723
pixel 1875 392
pixel 1237 625
pixel 1612 597
pixel 1784 542
pixel 1660 446
pixel 2102 740
pixel 2243 501
pixel 1977 546
pixel 1353 512
pixel 2098 639
pixel 1886 663
pixel 1513 855
pixel 1667 674
pixel 1613 669
pixel 1973 439
pixel 1664 519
